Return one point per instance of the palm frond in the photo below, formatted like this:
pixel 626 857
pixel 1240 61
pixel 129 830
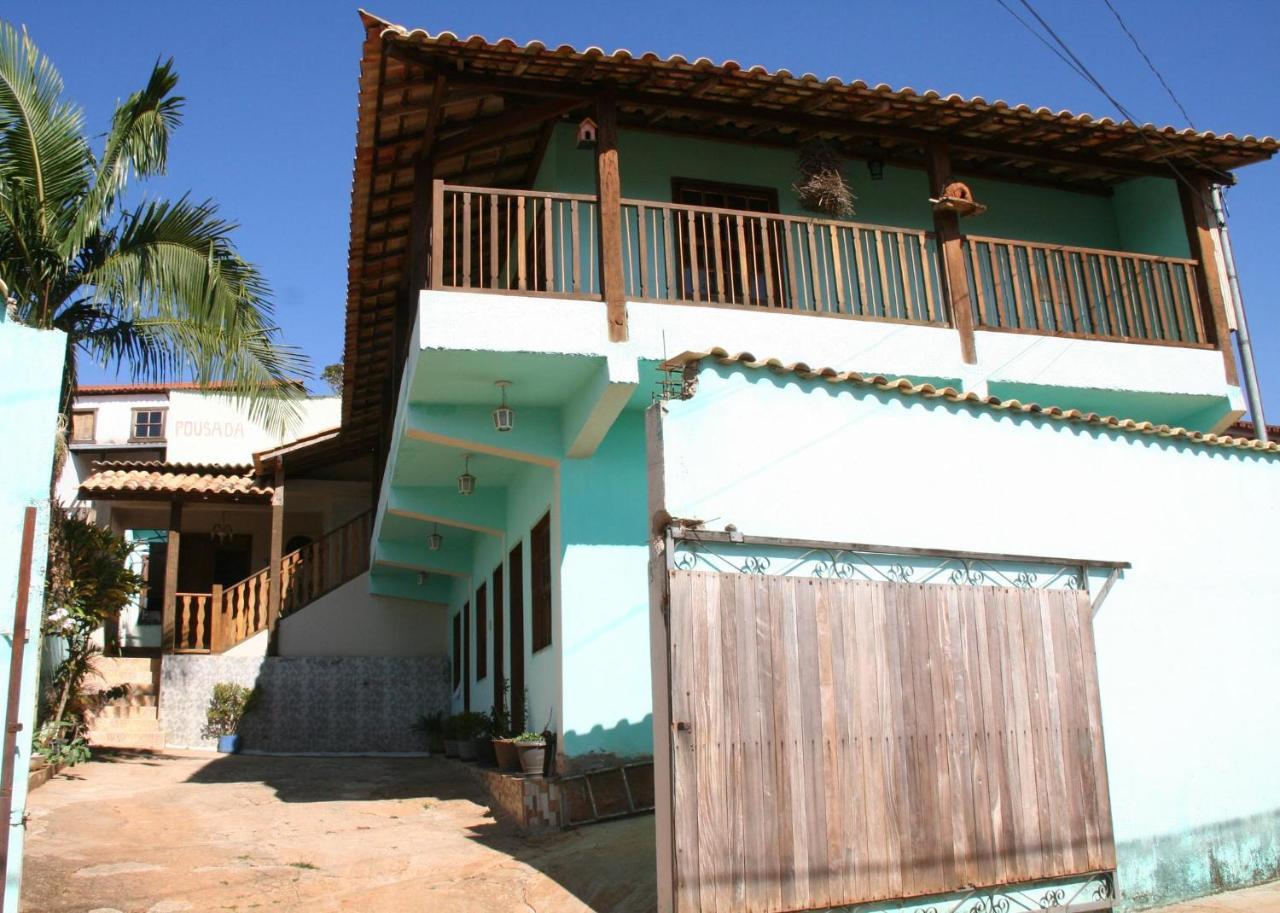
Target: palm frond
pixel 138 143
pixel 44 158
pixel 174 271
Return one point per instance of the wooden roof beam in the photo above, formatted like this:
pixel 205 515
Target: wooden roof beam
pixel 500 128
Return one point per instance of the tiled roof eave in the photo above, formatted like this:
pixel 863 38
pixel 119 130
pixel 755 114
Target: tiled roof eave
pixel 906 387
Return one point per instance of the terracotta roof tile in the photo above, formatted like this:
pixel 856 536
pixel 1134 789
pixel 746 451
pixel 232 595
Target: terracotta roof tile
pixel 114 479
pixel 928 391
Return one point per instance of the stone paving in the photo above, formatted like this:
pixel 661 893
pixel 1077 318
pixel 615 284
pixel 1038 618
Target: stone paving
pixel 193 831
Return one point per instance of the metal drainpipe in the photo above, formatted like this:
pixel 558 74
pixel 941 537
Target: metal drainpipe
pixel 11 725
pixel 1251 391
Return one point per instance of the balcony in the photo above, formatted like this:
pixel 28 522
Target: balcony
pixel 539 243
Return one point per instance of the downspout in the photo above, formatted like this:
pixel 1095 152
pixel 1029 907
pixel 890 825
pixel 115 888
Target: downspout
pixel 12 727
pixel 1252 394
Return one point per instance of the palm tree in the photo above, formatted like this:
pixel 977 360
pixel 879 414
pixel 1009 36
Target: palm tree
pixel 155 288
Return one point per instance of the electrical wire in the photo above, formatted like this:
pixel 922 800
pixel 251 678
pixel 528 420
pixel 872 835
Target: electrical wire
pixel 1150 64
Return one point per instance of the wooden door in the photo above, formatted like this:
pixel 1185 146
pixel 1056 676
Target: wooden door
pixel 842 741
pixel 719 271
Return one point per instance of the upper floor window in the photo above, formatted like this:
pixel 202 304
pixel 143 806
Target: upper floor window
pixel 148 425
pixel 84 426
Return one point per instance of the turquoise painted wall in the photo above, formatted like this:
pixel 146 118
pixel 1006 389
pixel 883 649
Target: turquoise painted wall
pixel 29 408
pixel 604 598
pixel 1143 215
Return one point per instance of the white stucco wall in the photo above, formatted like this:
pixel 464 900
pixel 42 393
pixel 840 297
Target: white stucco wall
pixel 1187 640
pixel 351 621
pixel 500 323
pixel 203 428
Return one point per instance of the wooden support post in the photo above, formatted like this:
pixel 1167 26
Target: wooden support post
pixel 277 553
pixel 609 193
pixel 946 227
pixel 215 619
pixel 173 546
pixel 1196 194
pixel 437 234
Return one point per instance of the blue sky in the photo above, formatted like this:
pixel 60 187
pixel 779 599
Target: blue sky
pixel 271 95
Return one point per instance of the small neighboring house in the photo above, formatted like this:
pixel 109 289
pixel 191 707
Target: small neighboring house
pixel 29 412
pixel 840 536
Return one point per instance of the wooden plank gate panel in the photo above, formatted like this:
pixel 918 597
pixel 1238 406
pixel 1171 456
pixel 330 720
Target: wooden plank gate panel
pixel 846 741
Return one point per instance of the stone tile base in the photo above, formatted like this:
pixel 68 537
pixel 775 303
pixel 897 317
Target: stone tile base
pixel 532 802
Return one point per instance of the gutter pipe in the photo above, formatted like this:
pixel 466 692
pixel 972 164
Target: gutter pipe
pixel 1243 345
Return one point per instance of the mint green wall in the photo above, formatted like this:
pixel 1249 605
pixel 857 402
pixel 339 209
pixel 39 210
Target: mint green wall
pixel 1149 217
pixel 604 598
pixel 1143 215
pixel 528 496
pixel 29 409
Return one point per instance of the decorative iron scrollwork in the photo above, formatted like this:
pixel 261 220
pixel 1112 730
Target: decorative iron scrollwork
pixel 1053 898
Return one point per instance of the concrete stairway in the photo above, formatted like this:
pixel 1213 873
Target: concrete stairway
pixel 132 721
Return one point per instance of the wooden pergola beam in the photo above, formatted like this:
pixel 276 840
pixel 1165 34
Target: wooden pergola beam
pixel 503 126
pixel 844 124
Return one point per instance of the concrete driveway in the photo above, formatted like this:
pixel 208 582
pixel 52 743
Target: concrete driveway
pixel 165 833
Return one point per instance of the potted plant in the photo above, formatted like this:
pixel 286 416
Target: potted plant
pixel 504 750
pixel 533 752
pixel 432 728
pixel 229 704
pixel 468 726
pixel 450 732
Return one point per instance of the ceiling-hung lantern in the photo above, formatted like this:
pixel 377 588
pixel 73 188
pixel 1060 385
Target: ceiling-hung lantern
pixel 466 481
pixel 875 162
pixel 504 417
pixel 435 540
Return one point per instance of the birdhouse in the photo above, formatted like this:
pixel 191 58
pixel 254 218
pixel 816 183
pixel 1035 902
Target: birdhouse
pixel 958 198
pixel 587 134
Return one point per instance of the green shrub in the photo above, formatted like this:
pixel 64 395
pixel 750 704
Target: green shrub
pixel 227 708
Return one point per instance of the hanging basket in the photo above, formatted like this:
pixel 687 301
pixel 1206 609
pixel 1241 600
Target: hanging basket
pixel 822 186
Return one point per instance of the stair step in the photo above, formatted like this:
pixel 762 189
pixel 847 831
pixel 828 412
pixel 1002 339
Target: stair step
pixel 125 724
pixel 128 712
pixel 153 741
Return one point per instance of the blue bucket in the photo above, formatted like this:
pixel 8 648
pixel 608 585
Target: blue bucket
pixel 228 744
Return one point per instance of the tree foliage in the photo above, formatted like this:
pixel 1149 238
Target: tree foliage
pixel 155 287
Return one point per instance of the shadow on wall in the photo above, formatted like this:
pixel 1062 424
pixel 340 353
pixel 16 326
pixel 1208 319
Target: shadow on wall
pixel 624 739
pixel 587 862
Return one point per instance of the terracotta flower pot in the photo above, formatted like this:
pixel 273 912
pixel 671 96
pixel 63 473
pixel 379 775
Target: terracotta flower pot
pixel 533 756
pixel 467 749
pixel 507 753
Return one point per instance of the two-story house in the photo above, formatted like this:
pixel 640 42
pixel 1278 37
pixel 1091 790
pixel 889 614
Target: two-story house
pixel 546 241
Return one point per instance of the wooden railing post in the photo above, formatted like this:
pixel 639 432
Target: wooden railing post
pixel 609 191
pixel 173 545
pixel 215 619
pixel 277 552
pixel 1195 194
pixel 437 234
pixel 946 225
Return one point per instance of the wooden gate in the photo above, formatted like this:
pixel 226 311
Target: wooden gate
pixel 844 741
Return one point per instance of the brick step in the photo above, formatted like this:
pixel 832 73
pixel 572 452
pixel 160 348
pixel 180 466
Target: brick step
pixel 139 672
pixel 128 712
pixel 125 724
pixel 153 741
pixel 133 700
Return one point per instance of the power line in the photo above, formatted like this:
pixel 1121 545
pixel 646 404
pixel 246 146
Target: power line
pixel 1150 65
pixel 1030 28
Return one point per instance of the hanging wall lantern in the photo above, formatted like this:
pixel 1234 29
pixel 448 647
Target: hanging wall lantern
pixel 466 481
pixel 875 163
pixel 422 578
pixel 435 540
pixel 222 532
pixel 587 134
pixel 504 417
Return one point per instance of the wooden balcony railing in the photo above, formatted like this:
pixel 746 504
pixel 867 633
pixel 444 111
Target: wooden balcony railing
pixel 703 255
pixel 532 242
pixel 1080 291
pixel 193 623
pixel 324 565
pixel 213 622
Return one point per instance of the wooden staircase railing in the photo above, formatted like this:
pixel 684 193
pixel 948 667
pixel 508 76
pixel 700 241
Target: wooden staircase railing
pixel 216 621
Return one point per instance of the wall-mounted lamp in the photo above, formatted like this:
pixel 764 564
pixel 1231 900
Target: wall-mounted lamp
pixel 422 578
pixel 435 540
pixel 875 163
pixel 504 417
pixel 466 481
pixel 587 134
